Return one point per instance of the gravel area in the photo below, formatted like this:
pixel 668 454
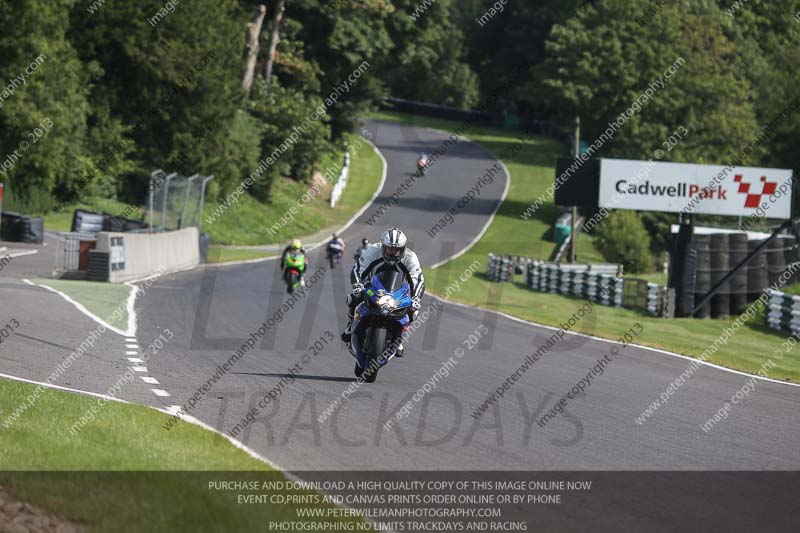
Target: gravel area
pixel 18 517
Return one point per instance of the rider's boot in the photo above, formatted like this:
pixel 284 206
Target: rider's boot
pixel 348 331
pixel 400 350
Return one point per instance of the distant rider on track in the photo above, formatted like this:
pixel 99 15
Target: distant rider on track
pixel 335 249
pixel 422 164
pixel 390 253
pixel 361 249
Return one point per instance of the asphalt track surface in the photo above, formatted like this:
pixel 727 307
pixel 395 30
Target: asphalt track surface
pixel 213 310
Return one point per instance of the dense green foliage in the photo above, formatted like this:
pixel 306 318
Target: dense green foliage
pixel 126 95
pixel 428 63
pixel 121 89
pixel 623 239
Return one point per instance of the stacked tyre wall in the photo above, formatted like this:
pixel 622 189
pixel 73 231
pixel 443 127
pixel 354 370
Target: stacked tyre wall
pixel 601 283
pixel 717 253
pixel 783 312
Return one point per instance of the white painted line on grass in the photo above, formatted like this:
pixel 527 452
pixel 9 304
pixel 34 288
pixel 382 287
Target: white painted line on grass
pixel 80 307
pixel 178 412
pixel 59 387
pixel 249 451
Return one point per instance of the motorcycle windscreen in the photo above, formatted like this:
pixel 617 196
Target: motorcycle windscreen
pixel 393 282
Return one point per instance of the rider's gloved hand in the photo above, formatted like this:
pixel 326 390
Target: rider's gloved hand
pixel 416 303
pixel 358 288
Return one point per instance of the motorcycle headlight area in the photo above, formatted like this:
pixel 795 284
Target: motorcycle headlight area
pixel 386 303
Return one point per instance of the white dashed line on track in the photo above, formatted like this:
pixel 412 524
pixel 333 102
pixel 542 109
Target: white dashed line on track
pixel 159 392
pixel 140 369
pixel 148 379
pixel 135 360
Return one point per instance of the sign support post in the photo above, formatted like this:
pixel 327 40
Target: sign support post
pixel 576 150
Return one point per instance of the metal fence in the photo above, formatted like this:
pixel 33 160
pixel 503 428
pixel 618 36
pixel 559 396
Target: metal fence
pixel 174 201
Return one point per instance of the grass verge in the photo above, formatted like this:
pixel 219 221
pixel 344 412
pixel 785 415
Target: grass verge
pixel 107 301
pixel 218 254
pixel 123 471
pixel 532 170
pixel 247 221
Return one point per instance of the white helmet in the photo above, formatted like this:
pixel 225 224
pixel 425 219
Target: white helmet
pixel 393 245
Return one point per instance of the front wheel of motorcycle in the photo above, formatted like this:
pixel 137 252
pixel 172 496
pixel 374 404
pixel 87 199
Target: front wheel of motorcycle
pixel 369 375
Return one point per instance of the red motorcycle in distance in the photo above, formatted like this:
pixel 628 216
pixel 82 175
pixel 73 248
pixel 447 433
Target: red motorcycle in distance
pixel 422 166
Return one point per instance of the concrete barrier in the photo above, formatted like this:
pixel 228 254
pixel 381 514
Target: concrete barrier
pixel 138 255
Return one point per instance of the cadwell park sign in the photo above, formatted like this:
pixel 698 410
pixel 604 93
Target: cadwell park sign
pixel 692 188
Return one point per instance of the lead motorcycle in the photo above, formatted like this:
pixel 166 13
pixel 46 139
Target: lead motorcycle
pixel 378 322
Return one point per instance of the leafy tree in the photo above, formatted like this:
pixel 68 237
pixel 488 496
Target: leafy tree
pixel 767 37
pixel 46 158
pixel 289 132
pixel 428 61
pixel 328 43
pixel 622 238
pixel 513 38
pixel 602 60
pixel 173 85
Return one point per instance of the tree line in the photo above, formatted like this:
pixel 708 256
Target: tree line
pixel 216 86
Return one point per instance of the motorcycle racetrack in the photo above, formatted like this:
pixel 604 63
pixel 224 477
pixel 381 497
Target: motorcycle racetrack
pixel 290 395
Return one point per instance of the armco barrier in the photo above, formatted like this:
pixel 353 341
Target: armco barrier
pixel 138 255
pixel 783 312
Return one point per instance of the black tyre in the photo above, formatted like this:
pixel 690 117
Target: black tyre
pixel 369 376
pixel 291 283
pixel 374 345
